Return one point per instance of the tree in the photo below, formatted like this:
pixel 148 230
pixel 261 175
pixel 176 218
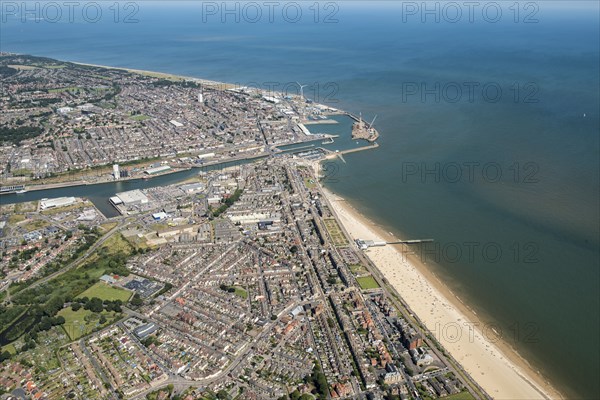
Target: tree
pixel 222 394
pixel 5 355
pixel 54 305
pixel 136 300
pixel 75 306
pixel 94 305
pixel 45 323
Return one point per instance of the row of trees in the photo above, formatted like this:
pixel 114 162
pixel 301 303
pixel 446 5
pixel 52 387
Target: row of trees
pixel 97 305
pixel 227 203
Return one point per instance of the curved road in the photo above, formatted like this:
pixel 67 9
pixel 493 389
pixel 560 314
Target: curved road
pixel 79 260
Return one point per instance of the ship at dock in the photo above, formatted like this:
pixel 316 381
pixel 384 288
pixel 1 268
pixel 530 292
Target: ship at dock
pixel 12 189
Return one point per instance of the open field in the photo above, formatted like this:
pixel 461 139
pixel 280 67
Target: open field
pixel 337 236
pixel 117 243
pixel 10 348
pixel 107 226
pixel 367 282
pixel 57 210
pixel 104 291
pixel 460 396
pixel 241 292
pixel 35 224
pixel 15 219
pixel 82 322
pixel 29 206
pixel 309 183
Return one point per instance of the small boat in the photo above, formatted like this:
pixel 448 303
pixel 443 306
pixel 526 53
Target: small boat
pixel 21 191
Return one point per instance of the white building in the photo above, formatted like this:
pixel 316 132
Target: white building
pixel 192 187
pixel 131 197
pixel 57 202
pixel 157 170
pixel 206 155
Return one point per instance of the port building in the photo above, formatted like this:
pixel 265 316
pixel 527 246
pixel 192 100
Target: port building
pixel 57 202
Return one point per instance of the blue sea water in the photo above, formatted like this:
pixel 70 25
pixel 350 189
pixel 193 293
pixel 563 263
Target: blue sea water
pixel 519 97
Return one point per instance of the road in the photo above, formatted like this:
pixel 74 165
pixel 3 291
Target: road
pixel 242 356
pixel 406 312
pixel 79 260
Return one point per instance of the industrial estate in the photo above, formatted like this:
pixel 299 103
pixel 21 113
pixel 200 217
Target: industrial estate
pixel 238 282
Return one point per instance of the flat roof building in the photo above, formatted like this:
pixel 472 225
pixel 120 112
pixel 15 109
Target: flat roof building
pixel 159 215
pixel 145 330
pixel 156 170
pixel 192 187
pixel 131 197
pixel 57 202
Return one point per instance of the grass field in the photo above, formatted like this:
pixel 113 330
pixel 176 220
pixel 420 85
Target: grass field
pixel 117 243
pixel 15 219
pixel 241 292
pixel 29 206
pixel 104 291
pixel 35 224
pixel 57 210
pixel 107 226
pixel 82 322
pixel 367 282
pixel 337 236
pixel 10 348
pixel 460 396
pixel 309 183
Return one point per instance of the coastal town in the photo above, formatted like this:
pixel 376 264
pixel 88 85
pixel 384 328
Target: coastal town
pixel 239 282
pixel 65 123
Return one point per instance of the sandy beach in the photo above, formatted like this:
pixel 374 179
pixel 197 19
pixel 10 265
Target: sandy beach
pixel 494 365
pixel 206 82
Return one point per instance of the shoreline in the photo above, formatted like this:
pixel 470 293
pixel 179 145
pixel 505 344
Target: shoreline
pixel 496 366
pixel 156 74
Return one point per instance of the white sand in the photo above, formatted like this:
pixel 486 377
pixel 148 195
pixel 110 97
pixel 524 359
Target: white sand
pixel 481 356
